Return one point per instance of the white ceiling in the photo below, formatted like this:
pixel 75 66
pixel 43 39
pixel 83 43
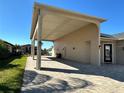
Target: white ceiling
pixel 55 26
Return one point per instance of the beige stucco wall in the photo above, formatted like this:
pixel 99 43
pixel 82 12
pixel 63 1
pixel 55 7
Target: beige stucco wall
pixel 113 42
pixel 120 52
pixel 81 45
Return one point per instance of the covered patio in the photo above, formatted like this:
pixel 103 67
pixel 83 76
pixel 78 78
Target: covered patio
pixel 51 23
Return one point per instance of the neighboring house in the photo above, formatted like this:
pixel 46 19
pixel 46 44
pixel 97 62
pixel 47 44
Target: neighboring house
pixel 8 45
pixel 26 49
pixel 76 36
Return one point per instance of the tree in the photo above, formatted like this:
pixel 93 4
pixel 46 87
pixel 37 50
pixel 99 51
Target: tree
pixel 44 52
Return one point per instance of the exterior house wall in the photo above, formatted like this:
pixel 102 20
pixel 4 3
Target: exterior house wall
pixel 113 50
pixel 120 52
pixel 81 45
pixel 9 47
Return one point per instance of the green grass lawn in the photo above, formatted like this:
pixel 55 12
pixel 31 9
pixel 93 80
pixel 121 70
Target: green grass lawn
pixel 11 74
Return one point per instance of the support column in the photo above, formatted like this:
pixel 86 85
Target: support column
pixel 39 30
pixel 32 48
pixel 95 46
pixel 99 43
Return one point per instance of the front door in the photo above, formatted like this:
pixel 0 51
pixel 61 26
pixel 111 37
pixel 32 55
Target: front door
pixel 108 53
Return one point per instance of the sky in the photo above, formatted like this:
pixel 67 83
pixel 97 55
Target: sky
pixel 16 16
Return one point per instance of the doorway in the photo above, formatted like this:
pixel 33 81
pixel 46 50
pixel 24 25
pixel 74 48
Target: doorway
pixel 108 53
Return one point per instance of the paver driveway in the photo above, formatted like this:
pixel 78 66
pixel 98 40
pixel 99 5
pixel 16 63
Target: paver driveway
pixel 58 76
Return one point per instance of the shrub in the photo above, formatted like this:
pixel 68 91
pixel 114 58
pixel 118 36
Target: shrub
pixel 4 53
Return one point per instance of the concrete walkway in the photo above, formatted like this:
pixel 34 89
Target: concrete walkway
pixel 62 76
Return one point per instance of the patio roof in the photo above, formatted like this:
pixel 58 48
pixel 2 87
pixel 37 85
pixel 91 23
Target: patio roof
pixel 57 22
